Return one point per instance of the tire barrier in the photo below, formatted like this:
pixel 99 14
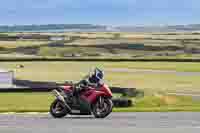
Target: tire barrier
pixel 127 92
pixel 122 102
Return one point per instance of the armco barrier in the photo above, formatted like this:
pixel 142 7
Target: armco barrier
pixel 9 90
pixel 36 85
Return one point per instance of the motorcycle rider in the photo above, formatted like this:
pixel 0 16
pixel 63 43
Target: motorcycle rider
pixel 94 79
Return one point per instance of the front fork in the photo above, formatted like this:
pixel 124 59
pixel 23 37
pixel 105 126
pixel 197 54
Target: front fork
pixel 101 102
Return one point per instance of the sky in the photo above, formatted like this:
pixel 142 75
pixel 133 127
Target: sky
pixel 104 12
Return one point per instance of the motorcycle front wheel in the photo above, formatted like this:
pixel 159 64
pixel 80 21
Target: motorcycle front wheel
pixel 101 110
pixel 57 109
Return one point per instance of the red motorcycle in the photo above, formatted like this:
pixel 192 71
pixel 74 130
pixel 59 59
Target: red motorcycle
pixel 91 101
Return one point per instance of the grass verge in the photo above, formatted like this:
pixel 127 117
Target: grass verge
pixel 150 81
pixel 40 102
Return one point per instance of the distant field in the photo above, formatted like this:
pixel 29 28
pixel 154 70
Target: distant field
pixel 15 44
pixel 114 74
pixel 106 45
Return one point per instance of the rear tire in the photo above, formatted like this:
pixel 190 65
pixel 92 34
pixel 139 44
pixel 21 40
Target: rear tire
pixel 58 113
pixel 107 109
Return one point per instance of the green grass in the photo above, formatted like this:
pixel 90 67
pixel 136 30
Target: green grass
pixel 151 83
pixel 21 43
pixel 63 51
pixel 40 102
pixel 129 40
pixel 74 71
pixel 177 66
pixel 25 102
pixel 163 103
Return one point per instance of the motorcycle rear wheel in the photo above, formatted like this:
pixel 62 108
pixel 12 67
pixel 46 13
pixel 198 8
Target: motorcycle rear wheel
pixel 57 109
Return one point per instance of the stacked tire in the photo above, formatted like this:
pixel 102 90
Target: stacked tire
pixel 122 102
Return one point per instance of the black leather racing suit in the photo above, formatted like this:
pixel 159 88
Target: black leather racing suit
pixel 84 84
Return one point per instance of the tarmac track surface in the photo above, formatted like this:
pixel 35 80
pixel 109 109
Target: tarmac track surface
pixel 183 122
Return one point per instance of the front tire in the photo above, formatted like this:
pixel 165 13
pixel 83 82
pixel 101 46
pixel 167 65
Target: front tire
pixel 57 109
pixel 105 110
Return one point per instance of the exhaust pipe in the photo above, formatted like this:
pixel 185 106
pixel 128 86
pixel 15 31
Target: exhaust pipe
pixel 61 98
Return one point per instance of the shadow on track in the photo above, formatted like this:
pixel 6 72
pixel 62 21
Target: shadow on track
pixel 68 117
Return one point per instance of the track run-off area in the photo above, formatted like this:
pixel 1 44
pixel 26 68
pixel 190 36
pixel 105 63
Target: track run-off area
pixel 146 122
